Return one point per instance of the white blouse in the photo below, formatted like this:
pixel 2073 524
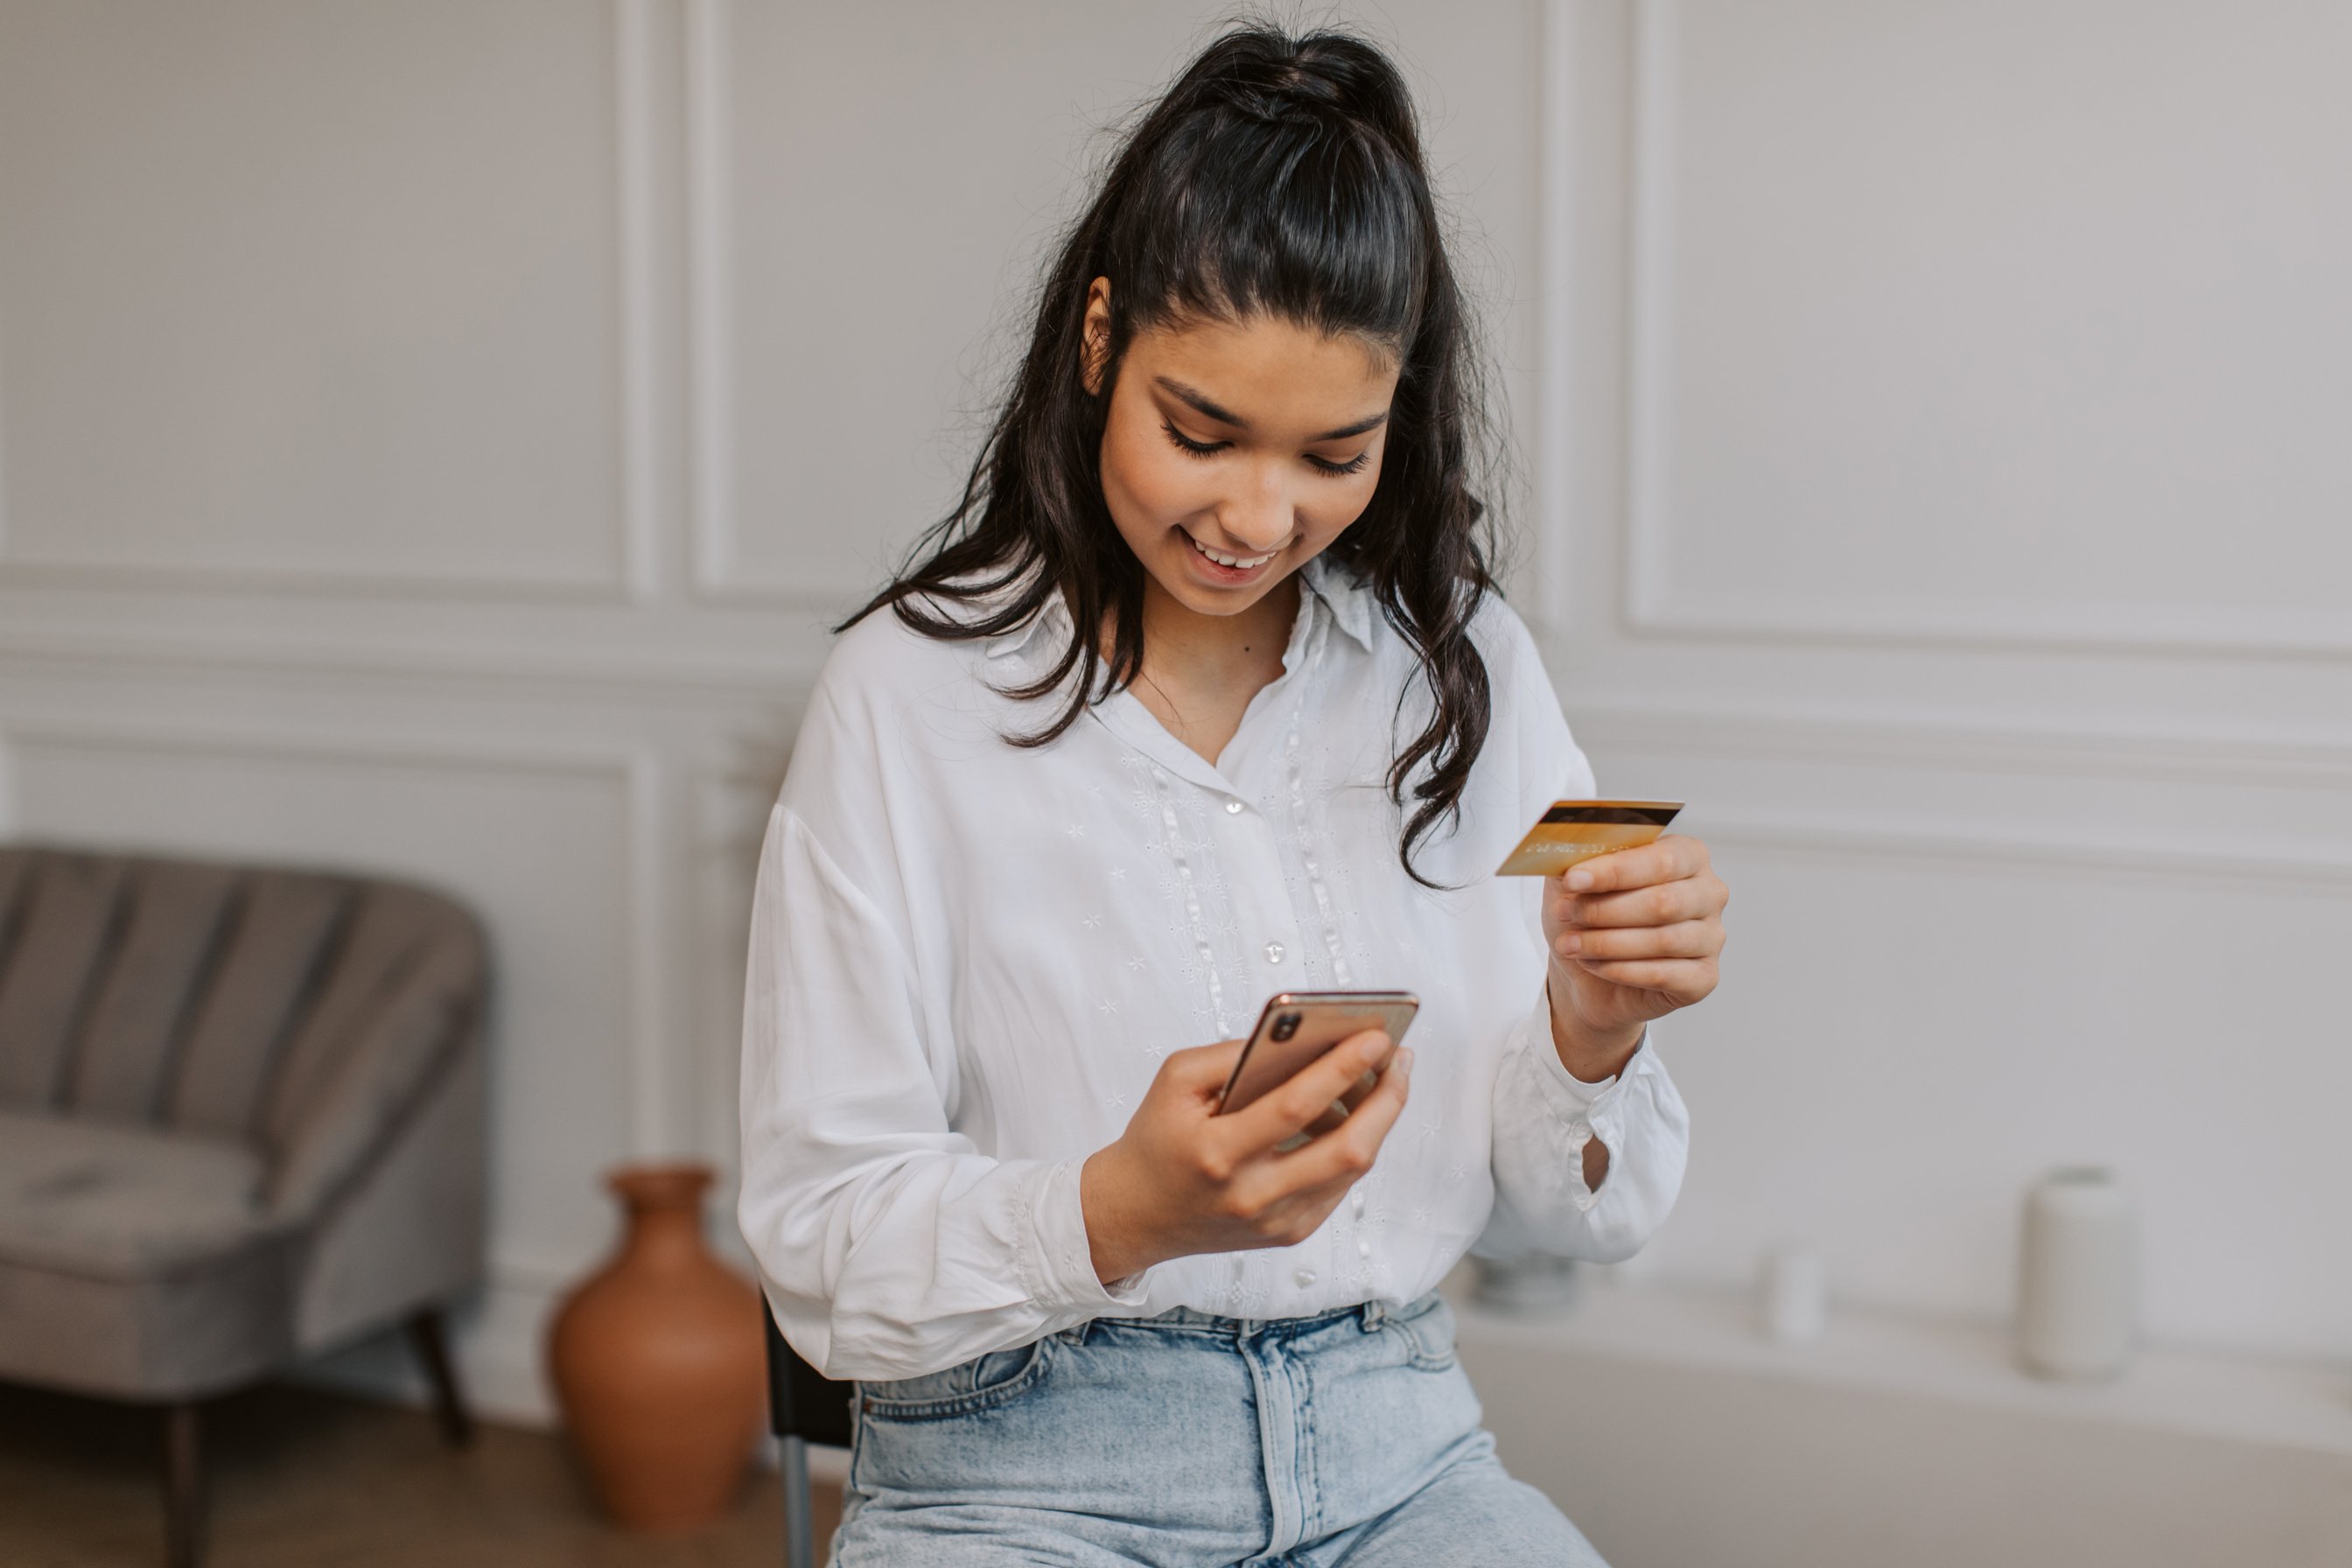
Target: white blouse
pixel 967 959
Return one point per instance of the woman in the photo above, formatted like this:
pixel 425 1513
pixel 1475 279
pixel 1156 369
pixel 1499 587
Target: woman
pixel 1202 693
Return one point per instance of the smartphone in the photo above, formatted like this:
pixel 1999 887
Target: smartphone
pixel 1296 1027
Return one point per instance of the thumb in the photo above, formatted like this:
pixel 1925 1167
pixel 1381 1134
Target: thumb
pixel 1202 1069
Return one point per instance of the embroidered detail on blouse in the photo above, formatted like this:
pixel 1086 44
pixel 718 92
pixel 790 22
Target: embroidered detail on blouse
pixel 1301 818
pixel 1188 888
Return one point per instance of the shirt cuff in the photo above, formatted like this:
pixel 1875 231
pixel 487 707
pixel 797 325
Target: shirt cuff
pixel 1586 1111
pixel 1056 1260
pixel 1566 1090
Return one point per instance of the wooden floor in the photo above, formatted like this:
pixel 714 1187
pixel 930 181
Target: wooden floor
pixel 306 1479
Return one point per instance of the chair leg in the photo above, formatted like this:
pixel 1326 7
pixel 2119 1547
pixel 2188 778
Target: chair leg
pixel 432 1348
pixel 800 1550
pixel 184 1486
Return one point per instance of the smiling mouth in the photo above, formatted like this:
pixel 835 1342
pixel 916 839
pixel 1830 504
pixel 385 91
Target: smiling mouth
pixel 1233 562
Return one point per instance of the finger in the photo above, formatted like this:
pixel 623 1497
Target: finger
pixel 1666 860
pixel 1663 904
pixel 1201 1071
pixel 1687 980
pixel 1348 1151
pixel 1683 939
pixel 1274 1116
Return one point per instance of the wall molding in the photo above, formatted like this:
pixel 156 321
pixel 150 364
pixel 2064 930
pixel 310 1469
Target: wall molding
pixel 715 534
pixel 1557 341
pixel 785 670
pixel 2007 855
pixel 2240 761
pixel 711 295
pixel 637 522
pixel 298 582
pixel 1650 602
pixel 636 96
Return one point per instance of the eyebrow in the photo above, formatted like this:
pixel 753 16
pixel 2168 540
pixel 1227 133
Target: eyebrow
pixel 1200 403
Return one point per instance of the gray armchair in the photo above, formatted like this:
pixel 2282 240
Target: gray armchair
pixel 241 1121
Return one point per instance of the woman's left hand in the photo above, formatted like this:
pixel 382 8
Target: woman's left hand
pixel 1633 934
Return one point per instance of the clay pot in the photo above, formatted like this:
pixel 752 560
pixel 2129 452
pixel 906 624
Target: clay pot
pixel 658 1361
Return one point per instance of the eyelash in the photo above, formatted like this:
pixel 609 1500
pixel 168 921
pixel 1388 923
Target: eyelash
pixel 1184 443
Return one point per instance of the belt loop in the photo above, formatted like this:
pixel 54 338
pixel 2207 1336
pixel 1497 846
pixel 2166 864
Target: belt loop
pixel 1373 1313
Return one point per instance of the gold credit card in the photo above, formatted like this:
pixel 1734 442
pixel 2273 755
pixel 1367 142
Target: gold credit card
pixel 1574 830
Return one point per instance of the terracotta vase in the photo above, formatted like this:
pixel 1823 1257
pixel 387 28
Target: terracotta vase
pixel 658 1361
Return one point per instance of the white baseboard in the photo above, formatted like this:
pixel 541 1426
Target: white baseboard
pixel 499 1345
pixel 497 1340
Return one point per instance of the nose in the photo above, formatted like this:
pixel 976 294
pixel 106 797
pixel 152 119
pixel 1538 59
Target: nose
pixel 1259 516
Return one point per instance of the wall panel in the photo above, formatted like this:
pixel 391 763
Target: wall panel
pixel 320 296
pixel 876 188
pixel 1991 323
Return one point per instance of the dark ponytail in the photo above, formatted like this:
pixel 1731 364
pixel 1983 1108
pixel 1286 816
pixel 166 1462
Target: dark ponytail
pixel 1278 176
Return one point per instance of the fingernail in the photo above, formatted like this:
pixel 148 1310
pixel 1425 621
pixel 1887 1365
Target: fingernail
pixel 1570 943
pixel 1404 1061
pixel 1580 881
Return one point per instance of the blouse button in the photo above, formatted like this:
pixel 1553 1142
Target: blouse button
pixel 1363 1249
pixel 1274 953
pixel 1304 1278
pixel 1234 807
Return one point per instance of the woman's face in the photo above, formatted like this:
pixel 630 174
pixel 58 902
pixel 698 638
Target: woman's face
pixel 1236 452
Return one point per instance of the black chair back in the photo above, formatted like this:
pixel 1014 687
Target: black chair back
pixel 802 1403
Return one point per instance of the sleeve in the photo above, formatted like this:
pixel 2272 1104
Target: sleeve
pixel 888 1247
pixel 1543 1116
pixel 1543 1119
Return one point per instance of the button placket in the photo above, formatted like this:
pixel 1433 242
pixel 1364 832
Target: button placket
pixel 1302 824
pixel 1172 834
pixel 1262 909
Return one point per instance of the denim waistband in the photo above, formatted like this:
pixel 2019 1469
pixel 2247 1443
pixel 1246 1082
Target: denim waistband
pixel 1189 1320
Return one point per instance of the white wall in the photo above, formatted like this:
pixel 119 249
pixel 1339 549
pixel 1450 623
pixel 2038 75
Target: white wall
pixel 435 435
pixel 1948 439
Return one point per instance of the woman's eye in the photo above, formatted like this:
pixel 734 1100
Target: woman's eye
pixel 1186 443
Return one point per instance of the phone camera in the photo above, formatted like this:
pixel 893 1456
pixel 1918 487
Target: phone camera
pixel 1286 1024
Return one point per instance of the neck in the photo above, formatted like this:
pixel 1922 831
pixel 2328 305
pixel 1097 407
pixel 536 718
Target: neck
pixel 1195 650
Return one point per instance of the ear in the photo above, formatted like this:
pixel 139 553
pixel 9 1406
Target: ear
pixel 1096 334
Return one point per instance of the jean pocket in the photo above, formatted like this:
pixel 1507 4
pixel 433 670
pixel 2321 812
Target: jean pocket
pixel 983 1383
pixel 1426 1329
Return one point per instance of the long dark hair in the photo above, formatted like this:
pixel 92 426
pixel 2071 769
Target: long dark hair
pixel 1280 176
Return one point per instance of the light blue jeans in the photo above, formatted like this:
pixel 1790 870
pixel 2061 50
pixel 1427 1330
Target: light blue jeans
pixel 1349 1439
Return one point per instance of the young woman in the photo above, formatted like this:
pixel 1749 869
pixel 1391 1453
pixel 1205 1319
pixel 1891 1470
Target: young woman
pixel 1202 693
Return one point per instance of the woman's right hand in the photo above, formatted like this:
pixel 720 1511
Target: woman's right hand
pixel 1184 1180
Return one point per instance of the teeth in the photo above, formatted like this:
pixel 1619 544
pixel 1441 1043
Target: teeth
pixel 1235 562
